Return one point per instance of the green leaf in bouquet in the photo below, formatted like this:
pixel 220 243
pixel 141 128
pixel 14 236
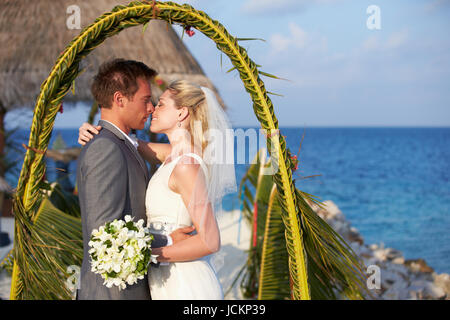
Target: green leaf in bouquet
pixel 140 266
pixel 109 228
pixel 130 226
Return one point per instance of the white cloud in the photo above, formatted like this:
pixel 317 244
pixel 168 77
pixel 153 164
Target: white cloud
pixel 396 40
pixel 297 39
pixel 265 6
pixel 279 6
pixel 303 57
pixel 370 43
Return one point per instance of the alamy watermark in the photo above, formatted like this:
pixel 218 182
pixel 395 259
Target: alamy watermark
pixel 73 281
pixel 374 20
pixel 73 21
pixel 374 280
pixel 236 146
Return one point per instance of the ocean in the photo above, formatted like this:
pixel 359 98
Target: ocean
pixel 393 184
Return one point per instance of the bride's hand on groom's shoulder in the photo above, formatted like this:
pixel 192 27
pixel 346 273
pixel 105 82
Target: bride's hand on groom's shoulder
pixel 86 131
pixel 181 234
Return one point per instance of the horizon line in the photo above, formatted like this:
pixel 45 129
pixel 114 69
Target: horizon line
pixel 305 127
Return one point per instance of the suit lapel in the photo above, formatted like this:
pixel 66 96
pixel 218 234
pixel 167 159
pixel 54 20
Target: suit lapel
pixel 133 150
pixel 138 157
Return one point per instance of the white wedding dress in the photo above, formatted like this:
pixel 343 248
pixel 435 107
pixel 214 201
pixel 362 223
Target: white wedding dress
pixel 166 211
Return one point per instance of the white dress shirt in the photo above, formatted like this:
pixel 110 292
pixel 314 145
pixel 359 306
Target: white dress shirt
pixel 132 139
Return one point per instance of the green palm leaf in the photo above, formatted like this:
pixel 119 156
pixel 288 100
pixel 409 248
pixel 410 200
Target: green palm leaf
pixel 258 187
pixel 334 269
pixel 65 201
pixel 274 277
pixel 43 250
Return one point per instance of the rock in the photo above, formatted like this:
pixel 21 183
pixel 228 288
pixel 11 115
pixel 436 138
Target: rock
pixel 386 254
pixel 392 254
pixel 370 261
pixel 418 265
pixel 399 260
pixel 356 247
pixel 365 251
pixel 397 291
pixel 434 292
pixel 361 250
pixel 443 281
pixel 416 292
pixel 331 211
pixel 400 278
pixel 389 277
pixel 419 284
pixel 427 290
pixel 379 255
pixel 420 276
pixel 5 284
pixel 354 236
pixel 399 269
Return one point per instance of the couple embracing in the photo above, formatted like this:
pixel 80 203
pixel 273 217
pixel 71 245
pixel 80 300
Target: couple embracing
pixel 178 202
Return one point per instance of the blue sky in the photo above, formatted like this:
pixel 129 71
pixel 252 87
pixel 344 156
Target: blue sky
pixel 340 72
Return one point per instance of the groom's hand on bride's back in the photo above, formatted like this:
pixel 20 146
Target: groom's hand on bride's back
pixel 181 234
pixel 86 132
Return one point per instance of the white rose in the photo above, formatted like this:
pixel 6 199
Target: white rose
pixel 129 279
pixel 142 244
pixel 140 223
pixel 116 281
pixel 104 237
pixel 130 251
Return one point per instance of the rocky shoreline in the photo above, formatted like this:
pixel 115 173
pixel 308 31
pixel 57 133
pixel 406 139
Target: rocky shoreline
pixel 400 279
pixel 5 285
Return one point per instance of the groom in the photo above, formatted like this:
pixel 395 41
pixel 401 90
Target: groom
pixel 111 175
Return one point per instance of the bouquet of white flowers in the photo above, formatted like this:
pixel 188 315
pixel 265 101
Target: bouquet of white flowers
pixel 120 252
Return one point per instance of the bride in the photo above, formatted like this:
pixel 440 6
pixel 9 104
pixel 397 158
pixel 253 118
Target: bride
pixel 185 189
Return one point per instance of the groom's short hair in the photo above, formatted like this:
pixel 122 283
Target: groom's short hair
pixel 119 75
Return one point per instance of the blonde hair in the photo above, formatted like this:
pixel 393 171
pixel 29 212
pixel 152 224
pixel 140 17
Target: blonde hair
pixel 186 94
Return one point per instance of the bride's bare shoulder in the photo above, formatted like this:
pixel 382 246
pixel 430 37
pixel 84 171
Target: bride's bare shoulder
pixel 187 165
pixel 186 174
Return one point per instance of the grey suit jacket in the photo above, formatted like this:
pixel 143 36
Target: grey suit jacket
pixel 112 179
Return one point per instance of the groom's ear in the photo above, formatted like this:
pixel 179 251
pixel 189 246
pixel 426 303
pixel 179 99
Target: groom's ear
pixel 118 98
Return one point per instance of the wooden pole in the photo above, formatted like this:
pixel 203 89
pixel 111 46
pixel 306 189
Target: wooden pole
pixel 4 237
pixel 2 138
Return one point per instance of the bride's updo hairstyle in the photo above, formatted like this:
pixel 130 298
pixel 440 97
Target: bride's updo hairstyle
pixel 186 94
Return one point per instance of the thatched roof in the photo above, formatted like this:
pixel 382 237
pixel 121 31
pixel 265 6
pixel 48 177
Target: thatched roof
pixel 34 33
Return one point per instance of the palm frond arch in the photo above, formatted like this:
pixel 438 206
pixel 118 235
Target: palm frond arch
pixel 29 197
